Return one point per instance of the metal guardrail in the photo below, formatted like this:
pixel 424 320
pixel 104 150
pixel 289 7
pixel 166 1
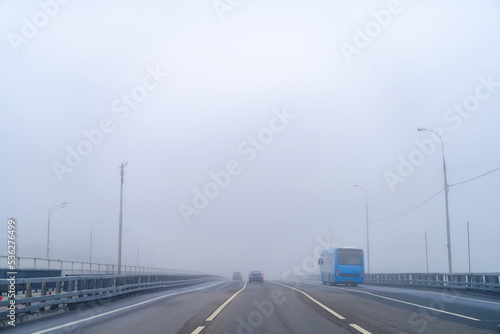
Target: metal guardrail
pixel 70 290
pixel 471 281
pixel 81 267
pixel 479 282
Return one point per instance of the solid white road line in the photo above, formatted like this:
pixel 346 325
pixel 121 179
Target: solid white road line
pixel 197 330
pixel 460 297
pixel 439 294
pixel 210 318
pixel 360 329
pixel 417 305
pixel 314 300
pixel 404 302
pixel 121 309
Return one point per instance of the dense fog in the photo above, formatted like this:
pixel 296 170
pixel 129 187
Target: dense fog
pixel 245 125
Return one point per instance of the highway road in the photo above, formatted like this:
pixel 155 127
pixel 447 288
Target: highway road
pixel 280 307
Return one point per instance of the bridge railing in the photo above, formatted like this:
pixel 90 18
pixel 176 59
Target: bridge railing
pixel 481 282
pixel 81 267
pixel 70 290
pixel 469 281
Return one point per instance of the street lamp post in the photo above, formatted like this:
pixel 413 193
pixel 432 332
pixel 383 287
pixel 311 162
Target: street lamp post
pixel 122 167
pixel 91 227
pixel 367 231
pixel 55 207
pixel 446 188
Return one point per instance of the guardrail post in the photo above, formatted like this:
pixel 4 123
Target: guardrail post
pixel 57 291
pixel 43 293
pixel 80 287
pixel 29 293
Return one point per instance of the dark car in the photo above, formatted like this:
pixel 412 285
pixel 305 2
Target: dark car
pixel 256 276
pixel 237 276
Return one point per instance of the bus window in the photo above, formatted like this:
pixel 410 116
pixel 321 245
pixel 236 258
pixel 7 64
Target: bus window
pixel 350 257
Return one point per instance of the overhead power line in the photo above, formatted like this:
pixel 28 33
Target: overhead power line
pixel 402 213
pixel 427 200
pixel 474 178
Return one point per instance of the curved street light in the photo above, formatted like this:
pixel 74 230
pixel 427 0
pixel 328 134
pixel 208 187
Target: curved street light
pixel 367 233
pixel 446 188
pixel 55 207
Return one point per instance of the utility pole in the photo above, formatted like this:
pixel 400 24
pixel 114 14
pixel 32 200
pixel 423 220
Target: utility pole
pixel 330 236
pixel 122 167
pixel 468 245
pixel 426 254
pixel 367 230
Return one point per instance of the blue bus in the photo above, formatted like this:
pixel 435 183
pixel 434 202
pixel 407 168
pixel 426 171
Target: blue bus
pixel 342 266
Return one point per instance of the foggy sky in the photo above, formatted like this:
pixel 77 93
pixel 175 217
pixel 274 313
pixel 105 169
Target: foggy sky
pixel 295 101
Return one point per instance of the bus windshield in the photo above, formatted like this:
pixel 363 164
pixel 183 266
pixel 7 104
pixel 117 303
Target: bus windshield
pixel 353 257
